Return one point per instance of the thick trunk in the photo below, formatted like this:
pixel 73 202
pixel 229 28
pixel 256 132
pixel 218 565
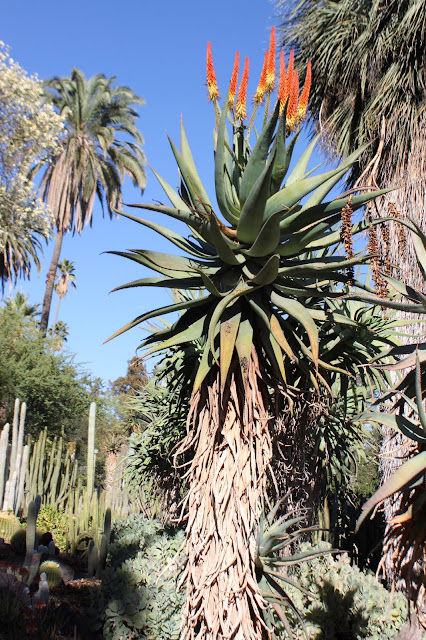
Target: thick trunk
pixel 50 283
pixel 397 248
pixel 229 435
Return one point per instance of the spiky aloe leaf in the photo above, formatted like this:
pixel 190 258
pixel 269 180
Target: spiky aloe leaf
pixel 252 213
pixel 259 158
pixel 299 171
pixel 176 239
pixel 228 335
pixel 403 478
pixel 222 170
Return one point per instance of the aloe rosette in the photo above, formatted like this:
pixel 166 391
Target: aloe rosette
pixel 266 252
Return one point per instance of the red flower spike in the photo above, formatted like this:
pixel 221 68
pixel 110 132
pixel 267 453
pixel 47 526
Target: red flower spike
pixel 293 100
pixel 270 72
pixel 241 106
pixel 259 96
pixel 212 87
pixel 282 84
pixel 40 604
pixel 304 96
pixel 290 72
pixel 234 81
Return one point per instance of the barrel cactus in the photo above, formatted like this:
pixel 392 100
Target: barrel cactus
pixel 53 572
pixel 9 524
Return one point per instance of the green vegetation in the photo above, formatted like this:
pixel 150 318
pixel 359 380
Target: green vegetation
pixel 281 356
pixel 139 592
pixel 345 602
pixel 100 146
pixel 57 391
pixel 29 133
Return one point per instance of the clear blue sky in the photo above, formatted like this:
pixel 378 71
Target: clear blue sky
pixel 157 49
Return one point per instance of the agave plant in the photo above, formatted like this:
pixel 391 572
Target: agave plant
pixel 276 553
pixel 272 251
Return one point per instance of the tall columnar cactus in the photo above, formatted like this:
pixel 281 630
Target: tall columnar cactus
pixel 91 450
pixel 14 465
pixel 15 424
pixel 4 446
pixel 268 262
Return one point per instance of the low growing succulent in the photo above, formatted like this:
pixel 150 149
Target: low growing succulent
pixel 138 594
pixel 344 601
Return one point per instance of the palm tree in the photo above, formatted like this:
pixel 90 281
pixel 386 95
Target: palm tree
pixel 266 264
pixel 19 306
pixel 101 146
pixel 369 64
pixel 65 279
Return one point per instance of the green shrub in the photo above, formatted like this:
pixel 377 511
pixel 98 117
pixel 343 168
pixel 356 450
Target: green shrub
pixel 349 603
pixel 138 593
pixel 55 522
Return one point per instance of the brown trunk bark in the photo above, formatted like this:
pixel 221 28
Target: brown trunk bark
pixel 229 435
pixel 50 283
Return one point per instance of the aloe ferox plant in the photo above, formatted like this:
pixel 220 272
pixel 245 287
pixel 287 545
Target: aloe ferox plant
pixel 271 248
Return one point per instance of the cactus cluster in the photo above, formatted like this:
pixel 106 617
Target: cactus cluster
pixel 97 555
pixel 48 468
pixel 13 461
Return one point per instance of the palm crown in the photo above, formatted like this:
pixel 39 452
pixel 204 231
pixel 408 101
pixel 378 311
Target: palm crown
pixel 94 160
pixel 101 146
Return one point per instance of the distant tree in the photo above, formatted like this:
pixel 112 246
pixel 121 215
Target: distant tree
pixel 29 133
pixel 19 305
pixel 57 391
pixel 66 278
pixel 101 146
pixel 134 381
pixel 59 333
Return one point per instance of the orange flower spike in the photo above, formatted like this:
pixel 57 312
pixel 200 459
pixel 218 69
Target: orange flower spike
pixel 304 96
pixel 234 81
pixel 293 100
pixel 241 106
pixel 212 87
pixel 282 84
pixel 259 96
pixel 290 72
pixel 270 72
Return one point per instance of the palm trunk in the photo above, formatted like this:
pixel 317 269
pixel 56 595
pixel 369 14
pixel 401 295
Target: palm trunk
pixel 230 437
pixel 397 249
pixel 50 283
pixel 56 316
